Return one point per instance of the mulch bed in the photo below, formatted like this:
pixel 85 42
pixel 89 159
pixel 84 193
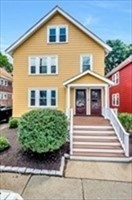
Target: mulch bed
pixel 15 156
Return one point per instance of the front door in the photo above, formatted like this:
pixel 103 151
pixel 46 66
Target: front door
pixel 81 102
pixel 95 102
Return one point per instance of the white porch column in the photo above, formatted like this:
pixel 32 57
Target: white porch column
pixel 106 97
pixel 68 96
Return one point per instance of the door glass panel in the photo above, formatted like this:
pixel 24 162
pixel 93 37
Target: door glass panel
pixel 96 102
pixel 81 102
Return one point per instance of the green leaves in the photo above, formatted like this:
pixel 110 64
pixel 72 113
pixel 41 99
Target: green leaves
pixel 4 143
pixel 119 53
pixel 43 130
pixel 126 120
pixel 4 63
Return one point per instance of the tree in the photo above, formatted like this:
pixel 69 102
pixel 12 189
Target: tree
pixel 120 51
pixel 4 63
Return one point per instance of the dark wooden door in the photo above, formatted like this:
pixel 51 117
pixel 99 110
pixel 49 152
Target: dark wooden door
pixel 95 102
pixel 80 102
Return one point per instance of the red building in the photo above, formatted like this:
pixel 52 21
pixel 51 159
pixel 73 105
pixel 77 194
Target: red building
pixel 121 92
pixel 5 88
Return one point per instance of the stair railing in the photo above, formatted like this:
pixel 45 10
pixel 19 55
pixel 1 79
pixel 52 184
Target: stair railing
pixel 71 131
pixel 122 135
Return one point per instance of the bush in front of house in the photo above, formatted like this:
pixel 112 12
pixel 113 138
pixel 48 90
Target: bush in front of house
pixel 43 130
pixel 4 143
pixel 13 122
pixel 126 120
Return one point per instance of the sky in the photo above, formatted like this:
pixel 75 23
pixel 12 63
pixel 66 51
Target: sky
pixel 108 19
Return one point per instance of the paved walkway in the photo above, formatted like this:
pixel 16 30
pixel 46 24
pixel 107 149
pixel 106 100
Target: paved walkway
pixel 55 188
pixel 83 181
pixel 3 126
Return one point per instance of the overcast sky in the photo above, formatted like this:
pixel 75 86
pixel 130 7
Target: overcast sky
pixel 109 19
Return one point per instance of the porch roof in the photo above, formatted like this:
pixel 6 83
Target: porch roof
pixel 95 75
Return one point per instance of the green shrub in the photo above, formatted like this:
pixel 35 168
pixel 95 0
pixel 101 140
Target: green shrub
pixel 126 120
pixel 13 122
pixel 42 130
pixel 4 143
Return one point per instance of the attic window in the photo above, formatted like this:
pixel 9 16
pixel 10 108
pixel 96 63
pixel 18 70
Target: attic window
pixel 57 34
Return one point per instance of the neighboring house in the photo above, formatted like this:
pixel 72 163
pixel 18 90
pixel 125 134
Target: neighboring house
pixel 5 88
pixel 59 63
pixel 121 92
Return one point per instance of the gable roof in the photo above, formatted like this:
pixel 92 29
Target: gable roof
pixel 47 17
pixel 120 66
pixel 4 74
pixel 92 74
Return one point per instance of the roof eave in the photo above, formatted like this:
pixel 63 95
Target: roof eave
pixel 91 73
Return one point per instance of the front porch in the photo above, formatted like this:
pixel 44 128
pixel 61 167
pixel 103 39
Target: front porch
pixel 90 121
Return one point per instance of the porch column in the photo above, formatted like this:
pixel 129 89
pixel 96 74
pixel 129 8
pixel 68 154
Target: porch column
pixel 68 96
pixel 106 97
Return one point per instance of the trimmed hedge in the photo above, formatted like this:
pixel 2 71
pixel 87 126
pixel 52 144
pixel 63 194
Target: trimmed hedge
pixel 126 120
pixel 4 143
pixel 43 130
pixel 13 122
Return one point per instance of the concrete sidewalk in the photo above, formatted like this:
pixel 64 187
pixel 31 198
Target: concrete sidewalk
pixel 54 188
pixel 110 171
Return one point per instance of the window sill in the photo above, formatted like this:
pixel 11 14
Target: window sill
pixel 42 74
pixel 42 107
pixel 57 42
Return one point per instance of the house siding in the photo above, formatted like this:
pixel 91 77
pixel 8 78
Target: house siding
pixel 124 88
pixel 6 89
pixel 68 63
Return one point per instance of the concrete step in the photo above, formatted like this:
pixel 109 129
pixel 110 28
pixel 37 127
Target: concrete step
pixel 102 158
pixel 97 154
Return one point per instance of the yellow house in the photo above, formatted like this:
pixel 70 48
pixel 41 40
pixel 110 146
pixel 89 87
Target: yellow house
pixel 58 63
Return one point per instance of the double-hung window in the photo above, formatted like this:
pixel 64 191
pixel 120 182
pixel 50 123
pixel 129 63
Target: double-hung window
pixel 43 97
pixel 85 62
pixel 115 99
pixel 115 78
pixel 57 34
pixel 43 65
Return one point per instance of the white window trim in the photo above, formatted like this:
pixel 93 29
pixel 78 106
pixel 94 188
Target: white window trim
pixel 81 59
pixel 3 82
pixel 37 100
pixel 37 67
pixel 116 78
pixel 116 96
pixel 3 95
pixel 57 27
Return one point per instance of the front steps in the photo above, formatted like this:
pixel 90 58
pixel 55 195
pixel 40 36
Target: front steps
pixel 96 143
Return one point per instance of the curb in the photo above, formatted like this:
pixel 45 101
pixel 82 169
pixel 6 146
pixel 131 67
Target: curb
pixel 24 170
